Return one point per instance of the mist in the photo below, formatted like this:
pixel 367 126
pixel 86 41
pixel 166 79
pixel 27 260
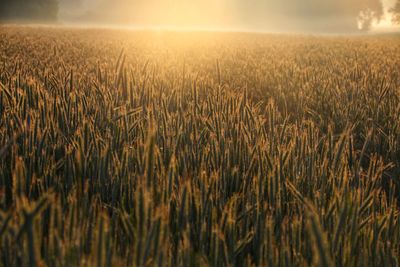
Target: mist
pixel 29 10
pixel 250 15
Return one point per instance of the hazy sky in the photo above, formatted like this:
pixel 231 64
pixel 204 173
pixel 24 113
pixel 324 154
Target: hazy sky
pixel 264 15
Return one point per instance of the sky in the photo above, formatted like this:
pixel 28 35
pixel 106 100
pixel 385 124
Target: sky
pixel 248 15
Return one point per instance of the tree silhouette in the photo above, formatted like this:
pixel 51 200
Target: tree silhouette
pixel 396 13
pixel 28 10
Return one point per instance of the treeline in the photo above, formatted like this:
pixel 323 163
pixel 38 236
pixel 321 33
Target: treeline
pixel 396 13
pixel 28 10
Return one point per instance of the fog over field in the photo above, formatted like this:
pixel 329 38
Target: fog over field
pixel 253 15
pixel 259 15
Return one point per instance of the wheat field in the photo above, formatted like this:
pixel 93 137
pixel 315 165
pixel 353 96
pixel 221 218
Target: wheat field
pixel 139 148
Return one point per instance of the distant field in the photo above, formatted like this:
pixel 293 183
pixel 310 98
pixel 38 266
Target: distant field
pixel 122 148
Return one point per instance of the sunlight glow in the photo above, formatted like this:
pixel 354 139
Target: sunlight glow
pixel 221 15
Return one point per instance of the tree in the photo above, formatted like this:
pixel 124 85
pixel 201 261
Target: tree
pixel 28 10
pixel 396 13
